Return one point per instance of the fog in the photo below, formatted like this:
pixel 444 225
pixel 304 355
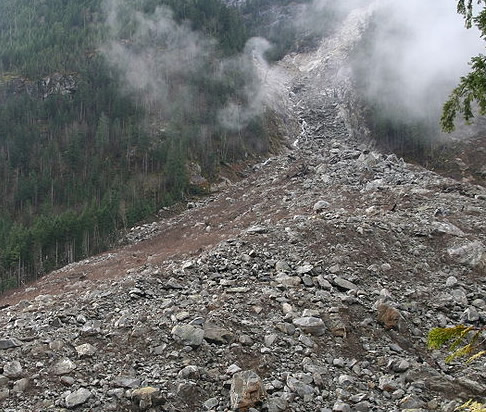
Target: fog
pixel 235 116
pixel 159 59
pixel 419 51
pixel 415 56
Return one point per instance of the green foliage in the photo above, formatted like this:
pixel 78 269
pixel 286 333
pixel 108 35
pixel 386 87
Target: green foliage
pixel 77 166
pixel 472 406
pixel 472 87
pixel 464 341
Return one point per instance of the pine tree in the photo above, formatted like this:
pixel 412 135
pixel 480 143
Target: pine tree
pixel 472 87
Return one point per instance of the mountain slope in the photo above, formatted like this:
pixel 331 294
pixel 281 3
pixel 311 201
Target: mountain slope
pixel 110 111
pixel 321 271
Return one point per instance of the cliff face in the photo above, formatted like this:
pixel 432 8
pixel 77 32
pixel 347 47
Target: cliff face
pixel 308 284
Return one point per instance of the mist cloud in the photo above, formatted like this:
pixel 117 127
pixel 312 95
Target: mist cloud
pixel 235 116
pixel 420 50
pixel 159 59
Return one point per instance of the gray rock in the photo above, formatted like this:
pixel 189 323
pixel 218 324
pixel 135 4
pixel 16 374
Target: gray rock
pixel 306 340
pixel 67 380
pixel 345 380
pixel 304 390
pixel 471 253
pixel 321 205
pixel 21 385
pixel 289 281
pixel 451 281
pixel 310 324
pixel 85 350
pixel 450 406
pixel 188 335
pixel 245 340
pixel 232 369
pixel 363 406
pixel 307 281
pixel 282 266
pixel 91 328
pixel 172 283
pixel 399 365
pixel 126 382
pixel 471 314
pixel 446 228
pixel 9 343
pixel 77 398
pixel 215 334
pixel 472 385
pixel 269 340
pixel 344 284
pixel 479 303
pixel 4 394
pixel 211 403
pixel 3 381
pixel 459 297
pixel 257 229
pixel 276 404
pixel 305 269
pixel 287 328
pixel 12 369
pixel 63 367
pixel 340 406
pixel 189 372
pixel 247 390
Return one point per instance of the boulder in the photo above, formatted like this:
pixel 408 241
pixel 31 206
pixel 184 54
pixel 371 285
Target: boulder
pixel 9 343
pixel 12 369
pixel 63 367
pixel 310 324
pixel 146 398
pixel 388 316
pixel 215 334
pixel 77 398
pixel 247 390
pixel 188 335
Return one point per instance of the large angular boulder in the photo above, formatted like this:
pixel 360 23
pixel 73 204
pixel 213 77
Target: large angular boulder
pixel 310 324
pixel 247 391
pixel 188 335
pixel 77 398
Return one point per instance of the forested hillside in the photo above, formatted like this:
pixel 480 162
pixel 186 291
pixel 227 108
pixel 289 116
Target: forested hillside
pixel 91 143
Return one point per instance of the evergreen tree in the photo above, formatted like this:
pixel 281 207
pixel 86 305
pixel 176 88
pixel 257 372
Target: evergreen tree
pixel 472 87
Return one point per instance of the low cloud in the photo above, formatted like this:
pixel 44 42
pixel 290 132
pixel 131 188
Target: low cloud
pixel 235 115
pixel 419 51
pixel 160 59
